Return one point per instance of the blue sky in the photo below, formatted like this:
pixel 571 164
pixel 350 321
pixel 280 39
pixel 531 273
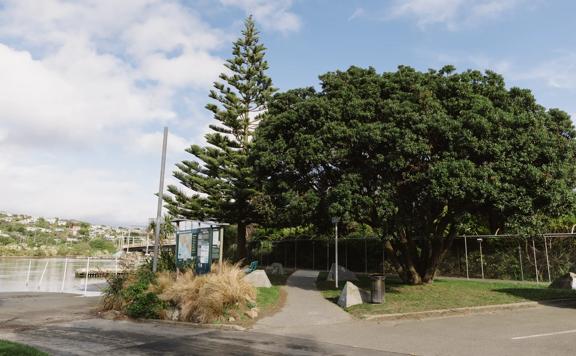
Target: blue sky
pixel 86 86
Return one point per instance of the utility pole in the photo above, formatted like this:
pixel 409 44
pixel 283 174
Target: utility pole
pixel 159 210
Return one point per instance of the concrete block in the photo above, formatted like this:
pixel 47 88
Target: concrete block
pixel 275 268
pixel 258 278
pixel 567 281
pixel 352 295
pixel 343 274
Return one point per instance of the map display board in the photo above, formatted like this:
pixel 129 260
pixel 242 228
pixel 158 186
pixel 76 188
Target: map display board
pixel 198 248
pixel 185 246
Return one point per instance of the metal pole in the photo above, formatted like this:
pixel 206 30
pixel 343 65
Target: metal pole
pixel 336 252
pixel 466 257
pixel 285 255
pixel 64 276
pixel 42 276
pixel 160 197
pixel 547 260
pixel 535 262
pixel 221 256
pixel 28 275
pixel 116 266
pixel 327 255
pixel 86 279
pixel 346 252
pixel 313 264
pixel 295 254
pixel 520 256
pixel 481 259
pixel 365 257
pixel 383 257
pixel 147 241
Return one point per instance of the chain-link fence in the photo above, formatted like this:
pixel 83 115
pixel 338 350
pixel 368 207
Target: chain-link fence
pixel 539 258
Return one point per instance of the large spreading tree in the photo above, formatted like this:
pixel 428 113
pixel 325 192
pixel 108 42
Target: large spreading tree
pixel 219 181
pixel 418 156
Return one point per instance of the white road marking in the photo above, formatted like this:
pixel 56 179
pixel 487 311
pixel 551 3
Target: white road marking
pixel 547 334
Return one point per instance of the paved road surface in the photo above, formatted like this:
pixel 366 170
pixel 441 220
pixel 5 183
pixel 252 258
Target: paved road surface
pixel 63 324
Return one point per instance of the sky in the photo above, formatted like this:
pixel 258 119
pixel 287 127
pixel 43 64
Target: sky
pixel 87 86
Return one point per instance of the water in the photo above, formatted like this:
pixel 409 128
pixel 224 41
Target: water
pixel 14 275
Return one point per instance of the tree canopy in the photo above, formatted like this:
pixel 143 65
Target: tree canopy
pixel 417 156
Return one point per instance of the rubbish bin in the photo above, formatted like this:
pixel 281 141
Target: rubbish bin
pixel 377 290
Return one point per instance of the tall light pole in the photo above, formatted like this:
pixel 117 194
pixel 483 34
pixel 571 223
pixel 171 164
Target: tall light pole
pixel 335 221
pixel 159 210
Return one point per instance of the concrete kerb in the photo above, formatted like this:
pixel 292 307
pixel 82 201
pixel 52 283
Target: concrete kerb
pixel 465 310
pixel 188 324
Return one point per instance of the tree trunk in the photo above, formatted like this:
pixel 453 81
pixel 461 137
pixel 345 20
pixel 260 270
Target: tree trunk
pixel 419 268
pixel 241 242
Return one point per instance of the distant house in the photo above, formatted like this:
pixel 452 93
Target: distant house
pixel 75 230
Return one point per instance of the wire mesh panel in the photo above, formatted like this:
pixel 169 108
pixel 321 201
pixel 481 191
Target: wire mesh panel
pixel 541 258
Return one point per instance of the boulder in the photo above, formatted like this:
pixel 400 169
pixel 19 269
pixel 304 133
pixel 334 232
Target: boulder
pixel 258 278
pixel 352 295
pixel 343 274
pixel 275 268
pixel 567 281
pixel 252 313
pixel 172 313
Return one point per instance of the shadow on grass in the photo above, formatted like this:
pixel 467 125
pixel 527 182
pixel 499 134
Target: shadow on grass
pixel 562 298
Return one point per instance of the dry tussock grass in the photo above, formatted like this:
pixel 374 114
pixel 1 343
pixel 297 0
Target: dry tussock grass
pixel 210 297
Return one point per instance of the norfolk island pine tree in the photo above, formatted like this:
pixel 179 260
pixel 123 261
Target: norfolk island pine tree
pixel 220 181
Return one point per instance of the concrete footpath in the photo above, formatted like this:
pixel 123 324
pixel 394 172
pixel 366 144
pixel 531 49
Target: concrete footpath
pixel 304 306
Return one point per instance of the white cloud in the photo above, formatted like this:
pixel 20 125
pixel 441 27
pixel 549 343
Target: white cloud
pixel 272 14
pixel 358 12
pixel 85 86
pixel 558 72
pixel 151 142
pixel 96 195
pixel 451 13
pixel 92 66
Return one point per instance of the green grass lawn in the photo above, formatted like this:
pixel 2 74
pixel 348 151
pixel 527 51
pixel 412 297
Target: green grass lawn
pixel 8 348
pixel 445 294
pixel 267 297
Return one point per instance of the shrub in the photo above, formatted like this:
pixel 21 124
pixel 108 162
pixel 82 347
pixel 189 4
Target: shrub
pixel 140 302
pixel 130 294
pixel 213 296
pixel 113 298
